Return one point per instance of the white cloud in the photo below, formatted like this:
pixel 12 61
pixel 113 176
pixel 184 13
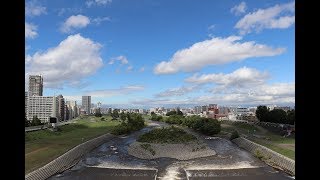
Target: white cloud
pixel 90 3
pixel 129 68
pixel 239 9
pixel 242 77
pixel 276 17
pixel 142 69
pixel 122 59
pixel 278 93
pixel 74 22
pixel 115 92
pixel 211 27
pixel 177 91
pixel 99 20
pixel 72 60
pixel 73 10
pixel 33 8
pixel 28 59
pixel 30 31
pixel 213 52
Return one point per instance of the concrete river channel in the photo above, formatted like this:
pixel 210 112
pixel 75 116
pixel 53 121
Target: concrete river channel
pixel 111 161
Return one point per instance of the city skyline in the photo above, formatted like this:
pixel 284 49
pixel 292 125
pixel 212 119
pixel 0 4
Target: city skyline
pixel 148 53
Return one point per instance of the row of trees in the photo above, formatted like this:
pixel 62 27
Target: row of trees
pixel 276 115
pixel 206 126
pixel 130 122
pixel 34 122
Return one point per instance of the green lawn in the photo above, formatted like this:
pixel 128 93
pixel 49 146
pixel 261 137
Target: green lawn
pixel 43 146
pixel 282 145
pixel 286 151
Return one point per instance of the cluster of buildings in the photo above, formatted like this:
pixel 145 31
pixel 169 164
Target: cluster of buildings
pixel 45 107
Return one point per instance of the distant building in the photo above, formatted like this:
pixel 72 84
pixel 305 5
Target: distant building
pixel 271 107
pixel 204 109
pixel 35 85
pixel 86 104
pixel 67 117
pixel 213 106
pixel 61 107
pixel 197 109
pixel 26 103
pixel 285 108
pixel 43 107
pixel 73 109
pixel 242 111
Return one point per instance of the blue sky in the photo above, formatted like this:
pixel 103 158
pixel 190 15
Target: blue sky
pixel 141 53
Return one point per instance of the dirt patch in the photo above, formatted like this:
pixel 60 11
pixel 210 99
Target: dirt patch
pixel 37 150
pixel 288 146
pixel 176 151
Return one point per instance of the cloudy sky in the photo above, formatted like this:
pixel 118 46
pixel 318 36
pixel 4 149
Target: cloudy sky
pixel 145 53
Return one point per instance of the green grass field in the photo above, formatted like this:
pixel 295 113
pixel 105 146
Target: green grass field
pixel 43 146
pixel 260 135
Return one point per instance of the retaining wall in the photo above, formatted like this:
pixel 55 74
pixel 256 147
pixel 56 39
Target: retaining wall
pixel 278 159
pixel 68 159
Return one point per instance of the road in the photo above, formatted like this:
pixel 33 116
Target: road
pixel 36 128
pixel 111 161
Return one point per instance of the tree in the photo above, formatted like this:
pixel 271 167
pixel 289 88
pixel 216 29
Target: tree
pixel 262 113
pixel 26 122
pixel 277 116
pixel 98 113
pixel 179 113
pixel 170 113
pixel 115 114
pixel 35 121
pixel 109 111
pixel 291 117
pixel 152 113
pixel 123 116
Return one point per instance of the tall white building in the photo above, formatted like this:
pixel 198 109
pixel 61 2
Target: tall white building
pixel 43 107
pixel 26 103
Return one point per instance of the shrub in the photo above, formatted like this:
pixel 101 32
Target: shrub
pixel 135 122
pixel 234 134
pixel 121 129
pixel 166 135
pixel 175 119
pixel 148 148
pixel 97 114
pixel 155 117
pixel 210 127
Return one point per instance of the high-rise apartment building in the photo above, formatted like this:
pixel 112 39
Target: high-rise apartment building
pixel 26 103
pixel 61 107
pixel 43 107
pixel 86 103
pixel 35 85
pixel 73 110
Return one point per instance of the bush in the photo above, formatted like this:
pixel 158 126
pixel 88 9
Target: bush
pixel 135 122
pixel 166 135
pixel 97 114
pixel 210 127
pixel 121 129
pixel 234 134
pixel 175 119
pixel 155 117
